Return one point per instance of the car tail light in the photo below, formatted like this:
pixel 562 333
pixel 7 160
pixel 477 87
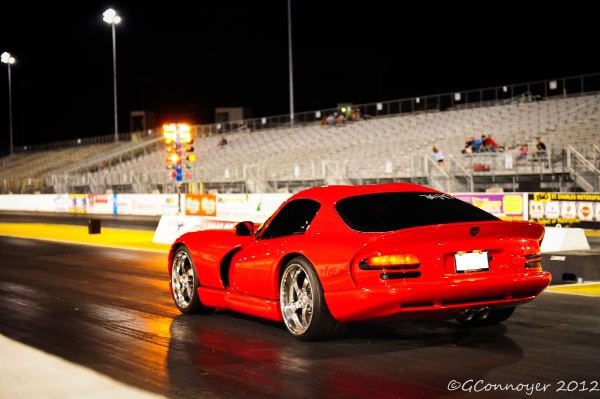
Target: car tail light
pixel 391 262
pixel 533 256
pixel 533 261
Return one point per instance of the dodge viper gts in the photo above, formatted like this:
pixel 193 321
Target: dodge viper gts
pixel 334 255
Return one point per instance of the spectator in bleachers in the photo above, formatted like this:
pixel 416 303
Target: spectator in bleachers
pixel 223 142
pixel 489 144
pixel 439 157
pixel 468 150
pixel 541 148
pixel 331 119
pixel 507 158
pixel 523 152
pixel 476 144
pixel 340 119
pixel 541 151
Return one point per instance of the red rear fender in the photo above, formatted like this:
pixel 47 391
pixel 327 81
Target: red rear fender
pixel 507 245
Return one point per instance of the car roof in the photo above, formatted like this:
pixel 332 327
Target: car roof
pixel 337 192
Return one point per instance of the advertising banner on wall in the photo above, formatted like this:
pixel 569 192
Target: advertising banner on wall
pixel 147 204
pixel 101 203
pixel 201 205
pixel 506 206
pixel 252 207
pixel 168 204
pixel 565 209
pixel 77 203
pixel 61 203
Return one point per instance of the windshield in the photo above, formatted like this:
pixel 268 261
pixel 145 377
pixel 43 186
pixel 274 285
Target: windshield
pixel 396 211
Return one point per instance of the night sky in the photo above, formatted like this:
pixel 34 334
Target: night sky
pixel 183 59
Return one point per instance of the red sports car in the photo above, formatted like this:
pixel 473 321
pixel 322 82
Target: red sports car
pixel 339 254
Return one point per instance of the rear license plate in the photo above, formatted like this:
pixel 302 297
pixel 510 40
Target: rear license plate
pixel 471 262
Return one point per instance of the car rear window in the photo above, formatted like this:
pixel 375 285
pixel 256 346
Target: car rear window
pixel 395 211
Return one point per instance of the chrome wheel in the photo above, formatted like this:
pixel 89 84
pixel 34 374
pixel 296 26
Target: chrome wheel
pixel 182 280
pixel 296 295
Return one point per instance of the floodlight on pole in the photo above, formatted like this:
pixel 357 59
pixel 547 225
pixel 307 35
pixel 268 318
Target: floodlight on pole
pixel 289 4
pixel 112 18
pixel 8 60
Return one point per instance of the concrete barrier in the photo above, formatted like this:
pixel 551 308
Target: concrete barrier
pixel 564 239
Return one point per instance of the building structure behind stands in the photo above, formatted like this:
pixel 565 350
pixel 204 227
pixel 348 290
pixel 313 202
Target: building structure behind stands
pixel 392 142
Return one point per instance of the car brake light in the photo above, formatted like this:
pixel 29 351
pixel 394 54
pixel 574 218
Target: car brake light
pixel 533 261
pixel 533 256
pixel 391 262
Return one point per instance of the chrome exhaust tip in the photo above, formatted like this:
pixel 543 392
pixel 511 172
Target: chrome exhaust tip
pixel 465 314
pixel 483 313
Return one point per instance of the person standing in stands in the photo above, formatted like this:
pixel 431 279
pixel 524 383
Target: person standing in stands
pixel 541 150
pixel 439 157
pixel 508 158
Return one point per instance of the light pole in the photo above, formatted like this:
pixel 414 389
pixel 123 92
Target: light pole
pixel 112 18
pixel 7 59
pixel 290 62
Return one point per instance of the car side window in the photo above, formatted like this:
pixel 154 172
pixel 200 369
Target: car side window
pixel 293 218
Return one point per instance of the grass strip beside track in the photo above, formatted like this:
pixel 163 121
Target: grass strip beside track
pixel 121 238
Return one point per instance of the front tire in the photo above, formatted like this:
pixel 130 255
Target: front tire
pixel 305 312
pixel 184 283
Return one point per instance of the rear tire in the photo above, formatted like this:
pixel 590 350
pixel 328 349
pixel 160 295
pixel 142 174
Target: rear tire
pixel 184 283
pixel 305 312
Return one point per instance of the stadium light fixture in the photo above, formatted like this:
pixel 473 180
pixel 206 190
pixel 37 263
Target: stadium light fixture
pixel 8 60
pixel 289 9
pixel 110 16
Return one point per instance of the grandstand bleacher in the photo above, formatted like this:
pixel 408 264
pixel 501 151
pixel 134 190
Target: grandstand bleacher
pixel 381 148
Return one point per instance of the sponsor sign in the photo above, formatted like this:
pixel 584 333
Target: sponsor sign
pixel 77 203
pixel 585 211
pixel 61 203
pixel 506 206
pixel 201 205
pixel 536 209
pixel 552 209
pixel 146 204
pixel 565 209
pixel 100 203
pixel 252 207
pixel 168 204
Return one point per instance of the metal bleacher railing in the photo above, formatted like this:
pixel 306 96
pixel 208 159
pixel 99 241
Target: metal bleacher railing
pixel 372 150
pixel 431 103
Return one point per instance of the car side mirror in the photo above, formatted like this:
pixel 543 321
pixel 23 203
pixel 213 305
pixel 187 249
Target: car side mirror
pixel 244 229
